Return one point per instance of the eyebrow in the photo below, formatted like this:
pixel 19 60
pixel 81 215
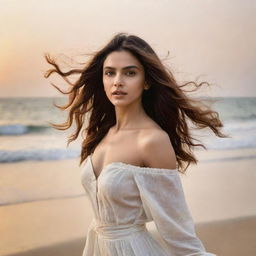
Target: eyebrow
pixel 108 67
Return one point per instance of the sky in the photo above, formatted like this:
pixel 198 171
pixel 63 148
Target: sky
pixel 209 40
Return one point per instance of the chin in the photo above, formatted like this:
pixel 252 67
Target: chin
pixel 119 103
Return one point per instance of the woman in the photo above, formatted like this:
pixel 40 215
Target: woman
pixel 137 141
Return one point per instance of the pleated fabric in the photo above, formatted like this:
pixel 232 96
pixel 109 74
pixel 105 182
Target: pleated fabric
pixel 124 198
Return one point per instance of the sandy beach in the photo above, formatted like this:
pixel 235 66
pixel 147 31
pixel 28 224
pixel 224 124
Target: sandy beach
pixel 54 217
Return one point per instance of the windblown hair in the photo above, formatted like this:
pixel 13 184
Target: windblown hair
pixel 165 101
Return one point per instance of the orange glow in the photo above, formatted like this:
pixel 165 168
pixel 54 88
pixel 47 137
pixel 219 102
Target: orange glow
pixel 5 57
pixel 221 49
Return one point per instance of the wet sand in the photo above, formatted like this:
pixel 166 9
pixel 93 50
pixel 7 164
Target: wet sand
pixel 55 214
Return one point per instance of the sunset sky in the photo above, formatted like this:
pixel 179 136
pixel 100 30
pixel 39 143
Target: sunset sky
pixel 211 39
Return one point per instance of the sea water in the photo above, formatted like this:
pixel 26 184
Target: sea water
pixel 25 132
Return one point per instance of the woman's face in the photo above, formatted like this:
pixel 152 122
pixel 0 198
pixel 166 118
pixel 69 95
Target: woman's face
pixel 123 72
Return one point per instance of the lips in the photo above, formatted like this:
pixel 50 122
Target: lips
pixel 119 93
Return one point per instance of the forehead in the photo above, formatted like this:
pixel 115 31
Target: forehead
pixel 121 59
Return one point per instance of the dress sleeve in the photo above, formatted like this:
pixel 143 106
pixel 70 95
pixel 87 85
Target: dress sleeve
pixel 164 202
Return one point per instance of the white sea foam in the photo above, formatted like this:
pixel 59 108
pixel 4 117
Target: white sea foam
pixel 7 156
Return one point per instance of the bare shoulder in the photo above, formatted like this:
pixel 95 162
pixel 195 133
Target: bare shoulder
pixel 156 149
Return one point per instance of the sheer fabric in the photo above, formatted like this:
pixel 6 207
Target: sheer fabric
pixel 124 198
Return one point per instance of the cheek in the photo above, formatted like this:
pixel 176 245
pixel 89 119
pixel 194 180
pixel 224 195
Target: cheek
pixel 106 84
pixel 138 84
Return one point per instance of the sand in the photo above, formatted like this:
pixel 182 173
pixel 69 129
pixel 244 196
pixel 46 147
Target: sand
pixel 55 214
pixel 234 237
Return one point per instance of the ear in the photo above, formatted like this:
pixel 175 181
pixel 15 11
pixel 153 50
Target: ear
pixel 146 86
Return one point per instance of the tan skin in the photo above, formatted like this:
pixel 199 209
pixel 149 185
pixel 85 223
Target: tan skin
pixel 135 139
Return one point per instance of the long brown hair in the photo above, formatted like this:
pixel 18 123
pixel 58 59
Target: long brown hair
pixel 165 101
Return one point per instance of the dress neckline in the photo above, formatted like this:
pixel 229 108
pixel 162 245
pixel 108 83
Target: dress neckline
pixel 131 166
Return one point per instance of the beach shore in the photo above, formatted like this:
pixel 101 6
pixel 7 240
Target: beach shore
pixel 45 211
pixel 234 237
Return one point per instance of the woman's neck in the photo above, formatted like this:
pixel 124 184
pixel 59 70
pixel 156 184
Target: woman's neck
pixel 129 117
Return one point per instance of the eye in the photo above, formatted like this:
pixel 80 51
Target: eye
pixel 109 73
pixel 130 73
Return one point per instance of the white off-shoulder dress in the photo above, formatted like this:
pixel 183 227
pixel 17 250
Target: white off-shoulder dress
pixel 124 197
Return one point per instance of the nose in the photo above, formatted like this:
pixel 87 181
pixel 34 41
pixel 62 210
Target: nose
pixel 118 81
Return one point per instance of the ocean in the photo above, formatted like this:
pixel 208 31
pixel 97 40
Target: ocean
pixel 25 134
